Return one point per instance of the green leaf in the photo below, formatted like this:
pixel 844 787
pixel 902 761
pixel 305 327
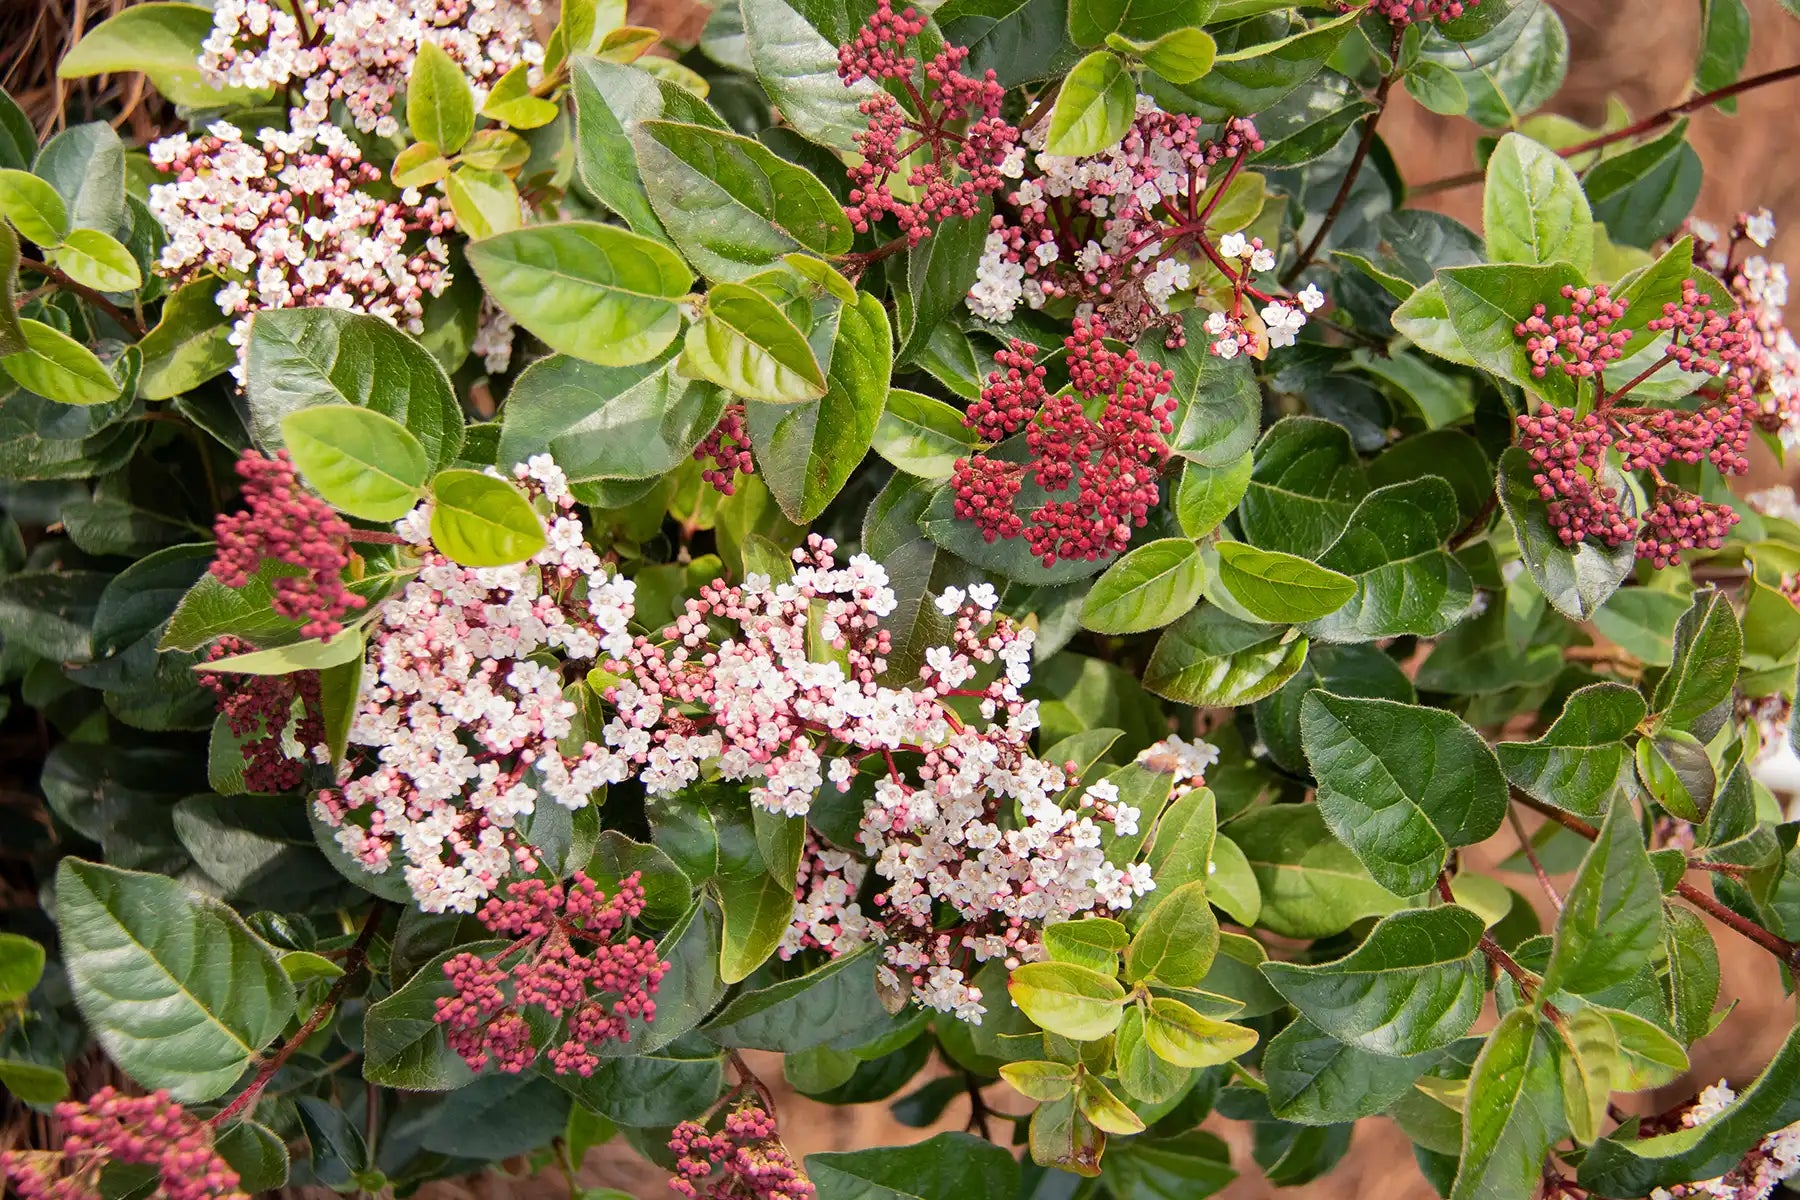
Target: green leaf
pixel 921 435
pixel 1576 580
pixel 939 271
pixel 1075 1002
pixel 1090 21
pixel 34 207
pixel 1021 41
pixel 1405 581
pixel 1677 772
pixel 1211 659
pixel 1177 1034
pixel 1487 303
pixel 1205 496
pixel 1533 208
pixel 1514 1111
pixel 1692 978
pixel 1414 985
pixel 1724 47
pixel 12 334
pixel 1590 1054
pixel 21 966
pixel 161 40
pixel 833 1004
pixel 1179 56
pixel 1354 670
pixel 1306 482
pixel 1582 760
pixel 189 345
pixel 758 907
pixel 1255 77
pixel 59 368
pixel 798 68
pixel 950 1166
pixel 313 655
pixel 1708 644
pixel 305 356
pixel 1176 945
pixel 255 1152
pixel 86 166
pixel 1315 1079
pixel 419 165
pixel 1218 406
pixel 1400 784
pixel 97 260
pixel 34 1083
pixel 1612 916
pixel 485 202
pixel 1312 885
pixel 730 203
pixel 595 291
pixel 1281 587
pixel 748 346
pixel 1309 121
pixel 1095 107
pixel 360 461
pixel 403 1043
pixel 1635 1167
pixel 440 105
pixel 1150 586
pixel 609 98
pixel 181 995
pixel 1091 942
pixel 480 521
pixel 1438 88
pixel 807 452
pixel 1040 1081
pixel 1643 195
pixel 1095 1101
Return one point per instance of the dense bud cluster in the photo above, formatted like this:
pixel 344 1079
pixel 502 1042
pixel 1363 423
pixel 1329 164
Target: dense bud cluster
pixel 107 1127
pixel 726 451
pixel 292 220
pixel 743 1160
pixel 548 969
pixel 1113 461
pixel 1408 12
pixel 284 523
pixel 1581 341
pixel 260 711
pixel 951 149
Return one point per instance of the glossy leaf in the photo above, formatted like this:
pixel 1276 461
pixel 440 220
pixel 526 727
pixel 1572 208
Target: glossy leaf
pixel 1315 1079
pixel 360 461
pixel 1147 588
pixel 1514 1111
pixel 748 346
pixel 97 260
pixel 1312 886
pixel 440 106
pixel 1611 918
pixel 1175 946
pixel 1582 759
pixel 1708 643
pixel 59 368
pixel 1210 658
pixel 1177 1034
pixel 33 206
pixel 1281 587
pixel 1095 107
pixel 1533 208
pixel 480 521
pixel 1075 1002
pixel 921 435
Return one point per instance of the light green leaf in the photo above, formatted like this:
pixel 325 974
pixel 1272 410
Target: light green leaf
pixel 1176 944
pixel 361 461
pixel 480 521
pixel 161 40
pixel 1281 587
pixel 595 291
pixel 748 346
pixel 59 368
pixel 1210 658
pixel 34 207
pixel 1533 208
pixel 179 992
pixel 485 201
pixel 1179 56
pixel 1177 1034
pixel 1095 107
pixel 97 260
pixel 1514 1111
pixel 1205 496
pixel 440 105
pixel 921 435
pixel 1149 587
pixel 21 966
pixel 1040 1081
pixel 189 345
pixel 1091 942
pixel 313 655
pixel 1062 998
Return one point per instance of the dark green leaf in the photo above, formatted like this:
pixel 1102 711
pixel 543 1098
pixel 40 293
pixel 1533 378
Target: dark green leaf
pixel 1306 482
pixel 1209 658
pixel 1315 1079
pixel 1582 760
pixel 1576 580
pixel 1405 581
pixel 950 1166
pixel 1708 644
pixel 1612 916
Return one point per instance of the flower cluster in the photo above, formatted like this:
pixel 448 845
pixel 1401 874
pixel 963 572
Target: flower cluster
pixel 953 148
pixel 1580 342
pixel 278 719
pixel 150 1131
pixel 1760 288
pixel 744 1160
pixel 826 914
pixel 359 53
pixel 287 221
pixel 551 972
pixel 726 451
pixel 284 523
pixel 1112 461
pixel 456 735
pixel 1408 12
pixel 1774 1158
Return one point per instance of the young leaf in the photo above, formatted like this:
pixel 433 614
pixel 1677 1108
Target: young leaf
pixel 1401 784
pixel 1177 1034
pixel 177 990
pixel 595 291
pixel 480 521
pixel 1533 208
pixel 748 346
pixel 1582 759
pixel 1095 108
pixel 485 202
pixel 361 461
pixel 313 655
pixel 1091 942
pixel 921 435
pixel 1149 587
pixel 1065 999
pixel 440 105
pixel 21 966
pixel 1108 1113
pixel 59 368
pixel 162 40
pixel 1415 984
pixel 1281 587
pixel 1612 917
pixel 1209 658
pixel 34 207
pixel 189 345
pixel 97 260
pixel 1205 496
pixel 1179 56
pixel 1514 1111
pixel 1176 944
pixel 1040 1081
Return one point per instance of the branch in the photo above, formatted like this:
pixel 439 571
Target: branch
pixel 1787 952
pixel 1652 122
pixel 1531 856
pixel 353 963
pixel 1496 953
pixel 126 321
pixel 1356 163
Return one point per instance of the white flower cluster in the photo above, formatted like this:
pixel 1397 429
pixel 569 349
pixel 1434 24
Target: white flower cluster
pixel 1761 286
pixel 1775 1158
pixel 360 52
pixel 456 734
pixel 285 223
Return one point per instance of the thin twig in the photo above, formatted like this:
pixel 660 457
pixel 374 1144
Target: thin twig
pixel 747 1076
pixel 1496 953
pixel 978 1109
pixel 1648 124
pixel 1356 164
pixel 1531 856
pixel 353 963
pixel 126 321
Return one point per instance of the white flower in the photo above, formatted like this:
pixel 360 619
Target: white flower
pixel 1311 298
pixel 1283 323
pixel 1234 245
pixel 1263 259
pixel 1760 228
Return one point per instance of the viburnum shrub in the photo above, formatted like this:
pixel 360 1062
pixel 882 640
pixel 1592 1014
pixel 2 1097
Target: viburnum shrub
pixel 991 551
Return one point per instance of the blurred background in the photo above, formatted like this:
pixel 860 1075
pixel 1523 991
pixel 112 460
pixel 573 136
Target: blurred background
pixel 1640 51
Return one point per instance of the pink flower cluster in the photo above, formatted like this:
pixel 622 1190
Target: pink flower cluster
pixel 957 144
pixel 744 1160
pixel 288 222
pixel 1760 288
pixel 260 711
pixel 457 733
pixel 1113 461
pixel 549 971
pixel 284 523
pixel 1582 341
pixel 1408 12
pixel 726 451
pixel 151 1131
pixel 359 53
pixel 826 915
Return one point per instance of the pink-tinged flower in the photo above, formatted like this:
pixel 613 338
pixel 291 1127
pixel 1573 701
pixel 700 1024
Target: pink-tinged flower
pixel 284 523
pixel 743 1160
pixel 1408 12
pixel 107 1127
pixel 726 450
pixel 568 962
pixel 260 712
